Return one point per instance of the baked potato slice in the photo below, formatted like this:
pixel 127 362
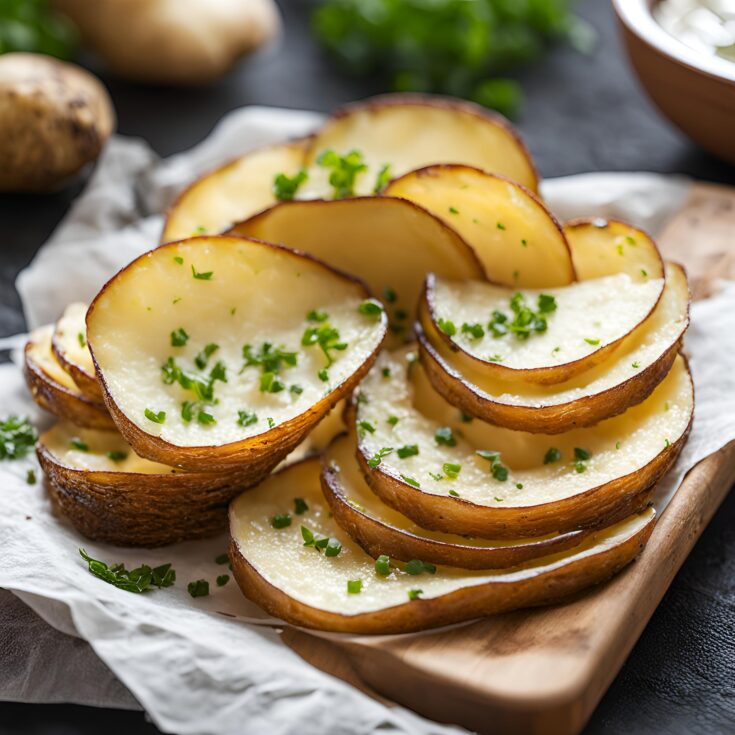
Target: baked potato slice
pixel 379 529
pixel 304 587
pixel 474 478
pixel 53 389
pixel 634 369
pixel 517 239
pixel 541 336
pixel 111 494
pixel 69 344
pixel 219 352
pixel 602 247
pixel 231 192
pixel 409 131
pixel 389 243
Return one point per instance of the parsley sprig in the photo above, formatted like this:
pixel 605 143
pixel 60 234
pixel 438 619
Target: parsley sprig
pixel 17 437
pixel 140 579
pixel 285 187
pixel 525 321
pixel 344 170
pixel 327 338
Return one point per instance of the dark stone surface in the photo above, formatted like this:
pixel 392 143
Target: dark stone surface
pixel 581 114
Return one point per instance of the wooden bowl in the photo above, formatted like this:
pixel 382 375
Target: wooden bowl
pixel 695 91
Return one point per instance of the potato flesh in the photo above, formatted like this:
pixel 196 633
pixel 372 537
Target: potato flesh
pixel 70 336
pixel 41 354
pixel 589 316
pixel 357 493
pixel 311 578
pixel 618 446
pixel 231 193
pixel 410 136
pixel 270 290
pixel 516 239
pixel 391 245
pixel 62 441
pixel 663 329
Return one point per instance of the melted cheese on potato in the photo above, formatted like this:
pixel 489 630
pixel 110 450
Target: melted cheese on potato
pixel 70 338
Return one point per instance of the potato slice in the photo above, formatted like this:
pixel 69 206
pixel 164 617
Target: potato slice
pixel 389 243
pixel 603 247
pixel 573 328
pixel 69 344
pixel 199 349
pixel 53 389
pixel 518 241
pixel 421 459
pixel 625 379
pixel 111 494
pixel 304 587
pixel 411 131
pixel 379 529
pixel 231 192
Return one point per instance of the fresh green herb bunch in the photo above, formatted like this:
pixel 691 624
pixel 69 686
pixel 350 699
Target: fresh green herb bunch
pixel 450 46
pixel 17 437
pixel 31 25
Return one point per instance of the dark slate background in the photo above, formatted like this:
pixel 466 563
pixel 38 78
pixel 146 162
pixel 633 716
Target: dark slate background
pixel 581 114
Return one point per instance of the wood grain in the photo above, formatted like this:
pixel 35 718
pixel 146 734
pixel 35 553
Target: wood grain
pixel 543 671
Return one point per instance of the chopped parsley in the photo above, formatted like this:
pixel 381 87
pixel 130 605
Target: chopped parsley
pixel 386 372
pixel 552 455
pixel 390 295
pixel 444 436
pixel 271 422
pixel 201 386
pixel 323 375
pixel 315 315
pixel 453 210
pixel 178 259
pixel 156 417
pixel 454 493
pixel 364 427
pixel 370 308
pixel 382 179
pixel 82 341
pixel 300 506
pixel 377 458
pixel 31 476
pixel 500 226
pixel 447 326
pixel 79 444
pixel 223 579
pixel 179 337
pixel 636 365
pixel 329 545
pixel 354 586
pixel 415 594
pixel 17 436
pixel 474 330
pixel 140 579
pixel 416 567
pixel 270 383
pixel 281 520
pixel 409 450
pixel 410 481
pixel 464 417
pixel 525 321
pixel 198 588
pixel 344 170
pixel 498 470
pixel 327 338
pixel 202 357
pixel 205 276
pixel 382 565
pixel 295 389
pixel 392 420
pixel 117 456
pixel 285 187
pixel 580 457
pixel 246 418
pixel 222 559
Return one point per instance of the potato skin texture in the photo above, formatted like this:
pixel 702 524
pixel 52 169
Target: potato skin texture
pixel 55 118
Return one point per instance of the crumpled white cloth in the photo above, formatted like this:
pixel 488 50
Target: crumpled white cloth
pixel 216 664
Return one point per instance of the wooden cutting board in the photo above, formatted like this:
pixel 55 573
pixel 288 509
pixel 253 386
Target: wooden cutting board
pixel 543 671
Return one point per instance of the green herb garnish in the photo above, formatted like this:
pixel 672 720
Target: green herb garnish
pixel 222 559
pixel 299 506
pixel 198 588
pixel 552 455
pixel 498 470
pixel 17 437
pixel 82 341
pixel 207 276
pixel 285 187
pixel 451 470
pixel 447 326
pixel 377 458
pixel 281 520
pixel 326 337
pixel 179 337
pixel 382 179
pixel 140 579
pixel 444 436
pixel 223 579
pixel 474 330
pixel 415 594
pixel 370 308
pixel 416 566
pixel 410 481
pixel 202 357
pixel 117 456
pixel 354 586
pixel 344 170
pixel 246 418
pixel 31 476
pixel 409 450
pixel 382 565
pixel 79 444
pixel 156 418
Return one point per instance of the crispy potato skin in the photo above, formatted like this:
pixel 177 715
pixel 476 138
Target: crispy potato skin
pixel 378 538
pixel 459 606
pixel 601 505
pixel 585 411
pixel 58 400
pixel 260 453
pixel 543 375
pixel 55 118
pixel 138 509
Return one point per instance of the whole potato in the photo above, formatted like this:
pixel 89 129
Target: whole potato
pixel 54 117
pixel 172 41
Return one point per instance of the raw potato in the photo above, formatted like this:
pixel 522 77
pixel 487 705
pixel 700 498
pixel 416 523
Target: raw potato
pixel 389 243
pixel 111 494
pixel 626 456
pixel 590 320
pixel 518 241
pixel 231 192
pixel 624 380
pixel 379 529
pixel 247 293
pixel 55 118
pixel 69 344
pixel 54 390
pixel 173 41
pixel 409 131
pixel 298 584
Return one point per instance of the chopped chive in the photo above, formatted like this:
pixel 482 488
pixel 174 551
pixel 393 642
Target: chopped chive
pixel 354 586
pixel 79 444
pixel 445 436
pixel 552 455
pixel 382 565
pixel 408 450
pixel 370 308
pixel 415 594
pixel 410 481
pixel 117 456
pixel 281 520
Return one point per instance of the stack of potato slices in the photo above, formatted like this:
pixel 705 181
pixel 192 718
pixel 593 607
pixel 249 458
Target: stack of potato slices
pixel 500 451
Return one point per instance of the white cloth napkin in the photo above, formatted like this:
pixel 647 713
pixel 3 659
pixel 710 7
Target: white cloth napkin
pixel 217 664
